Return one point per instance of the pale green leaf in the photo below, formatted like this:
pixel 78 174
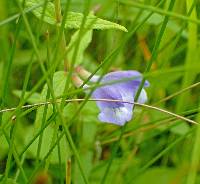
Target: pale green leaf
pixel 74 19
pixel 84 42
pixel 59 79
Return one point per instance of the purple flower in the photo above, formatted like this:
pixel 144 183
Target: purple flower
pixel 124 87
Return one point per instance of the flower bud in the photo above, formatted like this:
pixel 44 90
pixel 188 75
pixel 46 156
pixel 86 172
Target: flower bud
pixel 82 72
pixel 77 80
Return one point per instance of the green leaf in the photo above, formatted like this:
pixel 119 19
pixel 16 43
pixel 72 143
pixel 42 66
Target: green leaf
pixel 48 134
pixel 74 19
pixel 84 42
pixel 59 79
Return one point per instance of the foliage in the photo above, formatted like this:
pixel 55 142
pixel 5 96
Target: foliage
pixel 49 128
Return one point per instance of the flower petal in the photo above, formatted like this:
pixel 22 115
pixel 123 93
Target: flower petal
pixel 118 116
pixel 134 76
pixel 119 112
pixel 143 96
pixel 107 92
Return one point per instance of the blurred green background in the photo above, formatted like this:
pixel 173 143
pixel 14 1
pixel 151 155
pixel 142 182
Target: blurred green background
pixel 42 41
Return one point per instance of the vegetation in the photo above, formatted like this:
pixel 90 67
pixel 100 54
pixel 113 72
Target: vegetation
pixel 50 127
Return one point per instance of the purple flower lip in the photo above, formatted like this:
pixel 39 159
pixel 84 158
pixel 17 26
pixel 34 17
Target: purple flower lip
pixel 119 85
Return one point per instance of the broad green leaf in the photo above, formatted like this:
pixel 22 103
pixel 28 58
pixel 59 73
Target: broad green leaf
pixel 84 42
pixel 92 22
pixel 59 79
pixel 74 19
